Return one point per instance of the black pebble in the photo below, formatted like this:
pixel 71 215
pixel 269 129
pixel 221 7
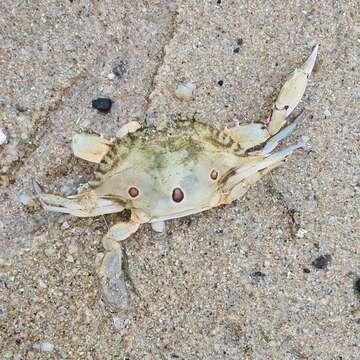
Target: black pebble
pixel 322 261
pixel 306 270
pixel 237 50
pixel 120 69
pixel 219 1
pixel 357 285
pixel 220 82
pixel 102 104
pixel 239 41
pixel 258 274
pixel 18 108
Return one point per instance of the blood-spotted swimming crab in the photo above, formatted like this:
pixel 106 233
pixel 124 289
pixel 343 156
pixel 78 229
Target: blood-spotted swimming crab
pixel 183 168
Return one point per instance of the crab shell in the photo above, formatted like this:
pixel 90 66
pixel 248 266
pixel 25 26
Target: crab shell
pixel 182 170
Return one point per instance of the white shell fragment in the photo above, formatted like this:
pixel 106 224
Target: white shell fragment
pixel 90 147
pixel 130 127
pixel 327 113
pixel 185 91
pixel 158 226
pixel 26 200
pixel 3 137
pixel 45 346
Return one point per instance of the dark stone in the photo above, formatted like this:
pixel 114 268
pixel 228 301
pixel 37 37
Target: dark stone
pixel 19 109
pixel 219 1
pixel 102 104
pixel 237 50
pixel 240 41
pixel 357 285
pixel 306 270
pixel 322 261
pixel 258 274
pixel 120 69
pixel 220 82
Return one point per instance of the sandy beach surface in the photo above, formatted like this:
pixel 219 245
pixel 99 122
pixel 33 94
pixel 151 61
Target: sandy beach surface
pixel 271 276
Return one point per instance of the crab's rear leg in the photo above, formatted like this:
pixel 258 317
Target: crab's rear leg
pixel 250 135
pixel 246 176
pixel 93 147
pixel 110 269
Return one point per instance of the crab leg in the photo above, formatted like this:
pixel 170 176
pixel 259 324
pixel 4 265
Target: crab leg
pixel 86 204
pixel 250 135
pixel 246 176
pixel 93 147
pixel 110 270
pixel 273 142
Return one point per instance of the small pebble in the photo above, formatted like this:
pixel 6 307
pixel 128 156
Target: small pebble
pixel 2 313
pixel 5 180
pixel 258 274
pixel 185 91
pixel 12 153
pixel 118 71
pixel 357 285
pixel 220 82
pixel 3 137
pixel 42 284
pixel 301 233
pixel 45 346
pixel 158 226
pixel 240 41
pixel 19 109
pixel 72 247
pixel 26 200
pixel 50 251
pixel 65 225
pixel 237 50
pixel 306 270
pixel 327 113
pixel 322 261
pixel 356 314
pixel 102 104
pixel 119 322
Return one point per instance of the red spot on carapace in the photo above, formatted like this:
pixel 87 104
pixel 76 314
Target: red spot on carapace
pixel 214 174
pixel 177 195
pixel 133 192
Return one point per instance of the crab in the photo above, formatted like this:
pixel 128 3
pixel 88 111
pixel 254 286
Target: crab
pixel 179 169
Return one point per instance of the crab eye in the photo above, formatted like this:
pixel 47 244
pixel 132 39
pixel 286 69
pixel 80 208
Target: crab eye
pixel 214 174
pixel 177 195
pixel 133 192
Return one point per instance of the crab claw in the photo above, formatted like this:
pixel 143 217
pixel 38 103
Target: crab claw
pixel 85 204
pixel 291 94
pixel 251 135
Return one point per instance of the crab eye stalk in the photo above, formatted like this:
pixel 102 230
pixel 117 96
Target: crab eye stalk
pixel 177 195
pixel 214 174
pixel 133 192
